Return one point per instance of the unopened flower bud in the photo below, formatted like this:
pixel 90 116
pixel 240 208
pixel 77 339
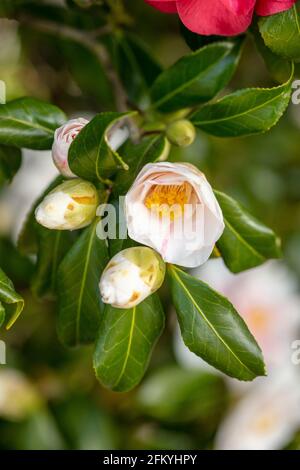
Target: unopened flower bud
pixel 70 206
pixel 131 276
pixel 181 133
pixel 63 137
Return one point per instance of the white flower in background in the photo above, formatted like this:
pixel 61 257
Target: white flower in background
pixel 117 136
pixel 18 397
pixel 63 137
pixel 265 419
pixel 131 276
pixel 26 187
pixel 70 206
pixel 267 299
pixel 171 208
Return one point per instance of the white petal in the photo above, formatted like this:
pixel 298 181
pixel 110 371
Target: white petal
pixel 266 419
pixel 51 212
pixel 174 248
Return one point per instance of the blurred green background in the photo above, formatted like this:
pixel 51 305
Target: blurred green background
pixel 49 397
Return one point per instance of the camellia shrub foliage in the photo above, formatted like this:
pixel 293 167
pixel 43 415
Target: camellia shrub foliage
pixel 108 288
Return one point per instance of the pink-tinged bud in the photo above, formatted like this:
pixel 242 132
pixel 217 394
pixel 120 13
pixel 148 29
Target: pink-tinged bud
pixel 63 137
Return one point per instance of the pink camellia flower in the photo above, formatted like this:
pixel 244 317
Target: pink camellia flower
pixel 221 17
pixel 63 138
pixel 171 208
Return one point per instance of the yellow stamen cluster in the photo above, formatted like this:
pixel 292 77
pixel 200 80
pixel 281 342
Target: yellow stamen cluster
pixel 162 197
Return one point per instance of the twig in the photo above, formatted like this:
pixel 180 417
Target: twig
pixel 102 31
pixel 90 43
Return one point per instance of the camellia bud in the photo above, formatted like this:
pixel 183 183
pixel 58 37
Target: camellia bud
pixel 181 133
pixel 63 137
pixel 131 276
pixel 70 206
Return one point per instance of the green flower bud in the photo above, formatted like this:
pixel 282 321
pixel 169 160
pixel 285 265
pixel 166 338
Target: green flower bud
pixel 181 133
pixel 70 206
pixel 131 276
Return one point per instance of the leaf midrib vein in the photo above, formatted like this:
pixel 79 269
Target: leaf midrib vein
pixel 186 84
pixel 243 241
pixel 28 124
pixel 83 281
pixel 128 347
pixel 208 322
pixel 234 116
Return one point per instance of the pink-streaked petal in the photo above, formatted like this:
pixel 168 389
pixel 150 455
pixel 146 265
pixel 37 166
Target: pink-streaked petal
pixel 220 17
pixel 167 6
pixel 270 7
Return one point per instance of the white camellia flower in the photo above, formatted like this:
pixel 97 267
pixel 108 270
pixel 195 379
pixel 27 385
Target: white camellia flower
pixel 267 299
pixel 131 276
pixel 70 206
pixel 63 137
pixel 265 419
pixel 171 208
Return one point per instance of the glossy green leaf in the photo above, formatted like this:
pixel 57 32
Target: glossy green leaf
pixel 195 395
pixel 2 314
pixel 196 78
pixel 80 307
pixel 52 247
pixel 136 156
pixel 29 123
pixel 10 162
pixel 278 67
pixel 10 301
pixel 90 155
pixel 212 329
pixel 125 343
pixel 246 242
pixel 281 32
pixel 135 65
pixel 244 112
